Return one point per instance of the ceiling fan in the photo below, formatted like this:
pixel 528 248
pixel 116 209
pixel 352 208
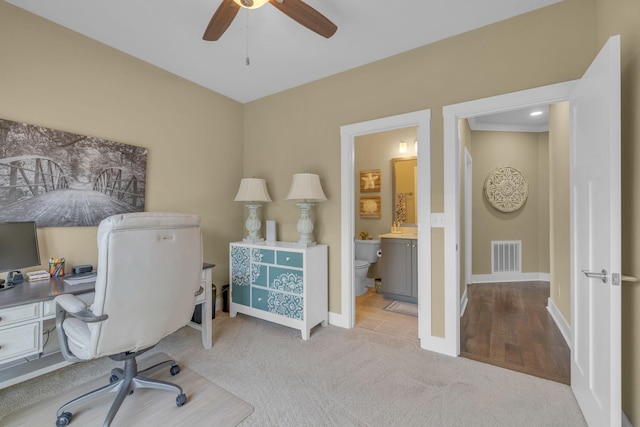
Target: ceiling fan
pixel 297 10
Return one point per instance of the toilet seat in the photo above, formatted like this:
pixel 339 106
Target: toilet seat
pixel 361 264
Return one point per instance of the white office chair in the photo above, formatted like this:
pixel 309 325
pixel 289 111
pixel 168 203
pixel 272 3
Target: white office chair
pixel 149 269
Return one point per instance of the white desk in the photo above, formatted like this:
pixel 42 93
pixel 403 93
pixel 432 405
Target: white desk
pixel 26 308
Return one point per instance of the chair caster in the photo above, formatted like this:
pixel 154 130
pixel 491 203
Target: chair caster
pixel 174 370
pixel 113 378
pixel 64 419
pixel 180 400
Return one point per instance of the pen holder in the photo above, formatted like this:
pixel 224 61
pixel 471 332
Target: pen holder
pixel 56 267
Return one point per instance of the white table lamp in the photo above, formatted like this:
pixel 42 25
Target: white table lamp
pixel 306 188
pixel 254 191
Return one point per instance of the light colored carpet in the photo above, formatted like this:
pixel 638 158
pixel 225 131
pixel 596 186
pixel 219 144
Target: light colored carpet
pixel 340 377
pixel 403 308
pixel 207 403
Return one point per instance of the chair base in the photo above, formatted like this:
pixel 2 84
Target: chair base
pixel 124 382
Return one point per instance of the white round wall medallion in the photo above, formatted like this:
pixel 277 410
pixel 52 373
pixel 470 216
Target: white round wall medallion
pixel 506 189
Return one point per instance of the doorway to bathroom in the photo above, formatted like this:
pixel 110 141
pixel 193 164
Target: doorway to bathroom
pixel 385 168
pixel 419 123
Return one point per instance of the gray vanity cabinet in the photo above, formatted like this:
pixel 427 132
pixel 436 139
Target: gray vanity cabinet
pixel 400 269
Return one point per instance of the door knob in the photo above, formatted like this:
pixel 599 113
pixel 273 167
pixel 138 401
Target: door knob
pixel 602 276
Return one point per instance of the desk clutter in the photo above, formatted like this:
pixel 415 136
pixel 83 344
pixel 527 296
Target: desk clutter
pixel 76 279
pixel 32 276
pixel 56 267
pixel 80 274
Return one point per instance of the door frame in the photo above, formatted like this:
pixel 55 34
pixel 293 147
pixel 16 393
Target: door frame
pixel 468 226
pixel 452 187
pixel 422 121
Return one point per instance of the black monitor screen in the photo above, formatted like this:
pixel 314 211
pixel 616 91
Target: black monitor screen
pixel 18 246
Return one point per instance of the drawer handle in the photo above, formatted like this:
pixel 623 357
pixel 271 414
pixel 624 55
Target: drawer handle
pixel 288 258
pixel 260 299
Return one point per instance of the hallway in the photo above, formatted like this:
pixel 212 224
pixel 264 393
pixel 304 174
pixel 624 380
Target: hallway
pixel 508 325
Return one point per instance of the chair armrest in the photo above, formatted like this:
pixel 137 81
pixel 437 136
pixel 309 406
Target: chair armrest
pixel 77 308
pixel 70 303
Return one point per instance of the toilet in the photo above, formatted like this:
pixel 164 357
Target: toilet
pixel 367 252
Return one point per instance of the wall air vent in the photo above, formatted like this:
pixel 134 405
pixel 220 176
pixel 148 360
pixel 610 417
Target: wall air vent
pixel 506 256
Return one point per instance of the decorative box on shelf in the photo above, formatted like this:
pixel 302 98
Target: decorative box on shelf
pixel 280 282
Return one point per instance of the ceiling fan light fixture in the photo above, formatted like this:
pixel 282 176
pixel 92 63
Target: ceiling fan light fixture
pixel 251 4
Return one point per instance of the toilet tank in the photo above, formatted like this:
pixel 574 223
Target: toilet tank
pixel 367 250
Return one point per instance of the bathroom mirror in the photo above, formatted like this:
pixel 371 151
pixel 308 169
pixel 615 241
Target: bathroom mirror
pixel 404 175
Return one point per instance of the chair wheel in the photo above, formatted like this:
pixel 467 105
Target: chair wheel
pixel 63 419
pixel 181 399
pixel 113 378
pixel 175 369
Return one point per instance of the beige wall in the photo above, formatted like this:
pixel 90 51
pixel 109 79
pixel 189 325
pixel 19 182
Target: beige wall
pixel 53 77
pixel 522 151
pixel 621 17
pixel 543 202
pixel 299 129
pixel 559 204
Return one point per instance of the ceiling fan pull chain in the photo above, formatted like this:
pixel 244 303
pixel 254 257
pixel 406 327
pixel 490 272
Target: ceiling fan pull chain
pixel 247 60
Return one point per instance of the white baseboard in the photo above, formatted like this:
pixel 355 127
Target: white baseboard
pixel 561 322
pixel 463 303
pixel 510 277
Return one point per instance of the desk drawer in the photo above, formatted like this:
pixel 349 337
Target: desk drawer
pixel 19 341
pixel 200 298
pixel 19 313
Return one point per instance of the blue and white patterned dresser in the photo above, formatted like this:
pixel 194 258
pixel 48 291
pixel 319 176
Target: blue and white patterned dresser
pixel 280 282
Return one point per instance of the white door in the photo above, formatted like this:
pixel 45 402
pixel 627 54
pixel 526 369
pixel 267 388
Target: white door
pixel 595 237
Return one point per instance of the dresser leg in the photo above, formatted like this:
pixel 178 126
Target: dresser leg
pixel 305 334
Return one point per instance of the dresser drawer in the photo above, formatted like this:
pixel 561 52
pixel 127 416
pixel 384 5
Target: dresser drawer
pixel 19 313
pixel 19 341
pixel 289 259
pixel 262 255
pixel 285 279
pixel 278 303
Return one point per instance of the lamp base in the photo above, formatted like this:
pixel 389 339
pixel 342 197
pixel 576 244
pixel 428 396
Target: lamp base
pixel 305 244
pixel 250 239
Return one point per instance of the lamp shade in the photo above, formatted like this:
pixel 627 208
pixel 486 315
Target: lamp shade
pixel 252 190
pixel 306 186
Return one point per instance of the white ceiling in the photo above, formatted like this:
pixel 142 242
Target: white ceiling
pixel 283 54
pixel 513 121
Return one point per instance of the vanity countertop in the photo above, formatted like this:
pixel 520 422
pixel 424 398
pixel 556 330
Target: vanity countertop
pixel 398 236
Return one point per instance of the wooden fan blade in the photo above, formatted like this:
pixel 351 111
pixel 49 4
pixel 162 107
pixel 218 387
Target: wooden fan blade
pixel 307 16
pixel 221 20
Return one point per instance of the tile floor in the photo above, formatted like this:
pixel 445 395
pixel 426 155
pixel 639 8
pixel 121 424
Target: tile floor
pixel 370 314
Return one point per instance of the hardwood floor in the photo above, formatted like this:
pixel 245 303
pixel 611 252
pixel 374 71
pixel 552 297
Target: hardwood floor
pixel 508 325
pixel 370 314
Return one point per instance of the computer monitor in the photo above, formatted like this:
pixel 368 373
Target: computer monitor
pixel 18 246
